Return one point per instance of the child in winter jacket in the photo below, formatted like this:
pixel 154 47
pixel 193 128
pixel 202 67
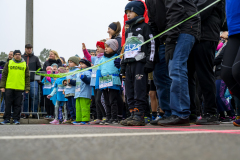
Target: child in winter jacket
pixel 47 89
pixel 58 88
pixel 109 81
pixel 73 62
pixel 83 94
pixel 137 62
pixel 101 114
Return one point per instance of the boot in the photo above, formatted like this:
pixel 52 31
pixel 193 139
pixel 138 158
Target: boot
pixel 137 120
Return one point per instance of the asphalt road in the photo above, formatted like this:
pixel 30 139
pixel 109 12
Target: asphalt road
pixel 115 142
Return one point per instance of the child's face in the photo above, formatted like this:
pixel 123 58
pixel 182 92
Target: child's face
pixel 54 68
pixel 108 50
pixel 83 65
pixel 67 69
pixel 126 27
pixel 100 50
pixel 130 14
pixel 71 64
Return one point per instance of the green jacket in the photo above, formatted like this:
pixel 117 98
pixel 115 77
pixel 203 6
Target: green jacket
pixel 5 75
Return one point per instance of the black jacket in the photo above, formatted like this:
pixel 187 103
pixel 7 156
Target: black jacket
pixel 33 64
pixel 136 28
pixel 50 62
pixel 164 14
pixel 210 20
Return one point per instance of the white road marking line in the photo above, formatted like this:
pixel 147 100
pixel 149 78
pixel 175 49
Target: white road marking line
pixel 109 135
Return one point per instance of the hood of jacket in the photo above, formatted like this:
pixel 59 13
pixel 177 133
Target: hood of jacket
pixel 22 60
pixel 28 55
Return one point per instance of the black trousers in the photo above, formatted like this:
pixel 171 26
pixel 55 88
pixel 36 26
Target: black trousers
pixel 136 86
pixel 49 106
pixel 93 108
pixel 111 102
pixel 201 61
pixel 13 99
pixel 231 65
pixel 100 109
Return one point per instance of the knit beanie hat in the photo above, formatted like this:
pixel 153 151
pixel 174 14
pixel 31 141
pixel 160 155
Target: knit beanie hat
pixel 62 70
pixel 112 43
pixel 74 59
pixel 17 51
pixel 85 62
pixel 49 68
pixel 54 64
pixel 136 6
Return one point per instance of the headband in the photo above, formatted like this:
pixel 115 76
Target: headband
pixel 100 44
pixel 113 26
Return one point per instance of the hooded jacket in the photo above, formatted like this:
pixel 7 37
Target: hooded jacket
pixel 33 63
pixel 83 88
pixel 5 76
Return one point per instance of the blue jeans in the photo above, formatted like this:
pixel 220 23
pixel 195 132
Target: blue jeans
pixel 179 92
pixel 34 98
pixel 162 82
pixel 3 102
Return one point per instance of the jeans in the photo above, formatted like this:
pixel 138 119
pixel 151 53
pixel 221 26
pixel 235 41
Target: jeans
pixel 162 82
pixel 3 103
pixel 33 96
pixel 178 72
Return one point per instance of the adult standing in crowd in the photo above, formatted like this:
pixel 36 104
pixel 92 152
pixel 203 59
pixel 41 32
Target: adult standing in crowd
pixel 63 61
pixel 114 30
pixel 10 56
pixel 15 80
pixel 34 64
pixel 162 81
pixel 53 58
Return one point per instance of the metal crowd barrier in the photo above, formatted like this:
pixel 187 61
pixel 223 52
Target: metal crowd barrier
pixel 29 110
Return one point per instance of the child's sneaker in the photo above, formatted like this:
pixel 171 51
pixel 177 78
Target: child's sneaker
pixel 220 119
pixel 238 117
pixel 46 117
pixel 103 121
pixel 16 122
pixel 147 119
pixel 228 120
pixel 84 123
pixel 97 121
pixel 5 122
pixel 111 121
pixel 76 123
pixel 137 120
pixel 64 122
pixel 50 117
pixel 125 121
pixel 54 122
pixel 237 123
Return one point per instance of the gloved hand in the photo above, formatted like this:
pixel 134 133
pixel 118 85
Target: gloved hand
pixel 82 76
pixel 169 51
pixel 149 67
pixel 117 62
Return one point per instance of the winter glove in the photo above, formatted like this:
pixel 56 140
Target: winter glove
pixel 82 76
pixel 117 62
pixel 149 67
pixel 169 50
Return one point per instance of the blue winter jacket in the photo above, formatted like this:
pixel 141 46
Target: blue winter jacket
pixel 95 61
pixel 233 16
pixel 83 88
pixel 109 69
pixel 70 88
pixel 59 89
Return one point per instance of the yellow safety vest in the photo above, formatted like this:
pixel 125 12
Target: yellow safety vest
pixel 16 75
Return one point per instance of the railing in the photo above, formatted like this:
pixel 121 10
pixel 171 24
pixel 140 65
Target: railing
pixel 28 103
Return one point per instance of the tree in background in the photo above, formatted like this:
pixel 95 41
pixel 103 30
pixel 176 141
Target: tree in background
pixel 3 56
pixel 44 54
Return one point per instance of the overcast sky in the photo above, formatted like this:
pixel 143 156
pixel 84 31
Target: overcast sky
pixel 61 25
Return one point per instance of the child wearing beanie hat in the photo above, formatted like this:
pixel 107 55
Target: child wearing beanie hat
pixel 54 68
pixel 94 83
pixel 60 97
pixel 47 89
pixel 109 81
pixel 137 62
pixel 83 93
pixel 69 91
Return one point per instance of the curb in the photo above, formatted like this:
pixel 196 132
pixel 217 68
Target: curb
pixel 30 121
